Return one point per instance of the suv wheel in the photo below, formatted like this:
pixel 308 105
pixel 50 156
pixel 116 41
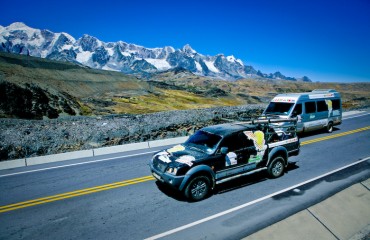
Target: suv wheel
pixel 276 167
pixel 198 188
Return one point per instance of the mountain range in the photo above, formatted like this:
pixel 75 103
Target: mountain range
pixel 124 57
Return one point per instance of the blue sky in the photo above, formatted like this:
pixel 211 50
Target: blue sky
pixel 324 40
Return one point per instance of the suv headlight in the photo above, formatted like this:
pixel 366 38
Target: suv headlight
pixel 172 170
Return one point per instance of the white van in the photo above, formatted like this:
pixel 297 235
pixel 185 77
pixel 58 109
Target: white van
pixel 321 108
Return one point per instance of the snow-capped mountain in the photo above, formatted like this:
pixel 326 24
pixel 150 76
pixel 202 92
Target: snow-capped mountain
pixel 118 56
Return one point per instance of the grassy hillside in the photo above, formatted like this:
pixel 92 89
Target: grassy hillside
pixel 355 95
pixel 36 88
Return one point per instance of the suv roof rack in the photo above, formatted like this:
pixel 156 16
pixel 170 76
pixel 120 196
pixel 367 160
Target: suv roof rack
pixel 268 120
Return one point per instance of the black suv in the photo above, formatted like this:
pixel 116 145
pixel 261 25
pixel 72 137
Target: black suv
pixel 220 153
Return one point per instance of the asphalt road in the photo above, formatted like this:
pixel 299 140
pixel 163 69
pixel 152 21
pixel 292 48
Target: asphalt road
pixel 114 197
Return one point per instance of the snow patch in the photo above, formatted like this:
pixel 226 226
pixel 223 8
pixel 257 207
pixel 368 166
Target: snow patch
pixel 126 54
pixel 67 47
pixel 198 66
pixel 84 57
pixel 109 68
pixel 160 64
pixel 70 38
pixel 211 66
pixel 110 51
pixel 44 53
pixel 36 39
pixel 18 26
pixel 233 59
pixel 240 61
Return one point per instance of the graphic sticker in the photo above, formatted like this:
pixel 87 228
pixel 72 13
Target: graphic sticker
pixel 258 138
pixel 163 156
pixel 230 159
pixel 330 106
pixel 186 159
pixel 177 148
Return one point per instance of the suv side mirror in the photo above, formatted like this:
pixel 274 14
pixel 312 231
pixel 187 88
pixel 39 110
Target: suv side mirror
pixel 224 150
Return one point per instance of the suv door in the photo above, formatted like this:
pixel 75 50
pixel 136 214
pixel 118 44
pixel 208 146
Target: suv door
pixel 240 149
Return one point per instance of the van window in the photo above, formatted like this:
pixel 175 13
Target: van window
pixel 336 104
pixel 310 107
pixel 322 106
pixel 298 109
pixel 278 108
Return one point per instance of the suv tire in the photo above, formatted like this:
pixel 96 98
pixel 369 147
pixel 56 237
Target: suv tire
pixel 276 167
pixel 198 188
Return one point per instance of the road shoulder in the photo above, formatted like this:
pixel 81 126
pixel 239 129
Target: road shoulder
pixel 344 215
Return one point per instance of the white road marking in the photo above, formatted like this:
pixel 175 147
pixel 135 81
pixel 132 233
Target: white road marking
pixel 250 203
pixel 76 164
pixel 356 116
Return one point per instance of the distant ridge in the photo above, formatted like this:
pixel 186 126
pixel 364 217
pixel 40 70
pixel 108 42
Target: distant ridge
pixel 124 57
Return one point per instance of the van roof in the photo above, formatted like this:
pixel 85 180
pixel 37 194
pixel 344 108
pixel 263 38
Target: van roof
pixel 314 92
pixel 324 91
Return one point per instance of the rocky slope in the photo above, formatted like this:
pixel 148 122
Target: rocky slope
pixel 28 138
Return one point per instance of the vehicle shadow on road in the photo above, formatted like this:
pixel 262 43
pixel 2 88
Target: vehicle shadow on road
pixel 316 132
pixel 224 187
pixel 248 180
pixel 170 192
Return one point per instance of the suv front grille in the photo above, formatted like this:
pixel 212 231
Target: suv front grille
pixel 159 165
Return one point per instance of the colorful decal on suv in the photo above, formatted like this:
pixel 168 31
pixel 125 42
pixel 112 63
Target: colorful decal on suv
pixel 258 138
pixel 186 159
pixel 177 148
pixel 163 156
pixel 295 139
pixel 230 159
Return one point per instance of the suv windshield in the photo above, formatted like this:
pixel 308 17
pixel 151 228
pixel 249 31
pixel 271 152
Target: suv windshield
pixel 279 108
pixel 204 141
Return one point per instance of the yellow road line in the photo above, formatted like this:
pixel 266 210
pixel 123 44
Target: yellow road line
pixel 335 135
pixel 105 187
pixel 81 192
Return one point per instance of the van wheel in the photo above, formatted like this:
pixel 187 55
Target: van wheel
pixel 276 168
pixel 329 128
pixel 198 188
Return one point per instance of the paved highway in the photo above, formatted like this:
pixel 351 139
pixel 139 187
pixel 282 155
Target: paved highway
pixel 114 197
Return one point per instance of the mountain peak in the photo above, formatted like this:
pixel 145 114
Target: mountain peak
pixel 188 49
pixel 17 25
pixel 233 59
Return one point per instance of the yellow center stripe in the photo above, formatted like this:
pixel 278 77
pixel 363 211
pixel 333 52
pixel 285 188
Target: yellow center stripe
pixel 81 192
pixel 100 188
pixel 335 135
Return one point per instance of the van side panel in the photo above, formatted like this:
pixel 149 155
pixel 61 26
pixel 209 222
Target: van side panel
pixel 319 108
